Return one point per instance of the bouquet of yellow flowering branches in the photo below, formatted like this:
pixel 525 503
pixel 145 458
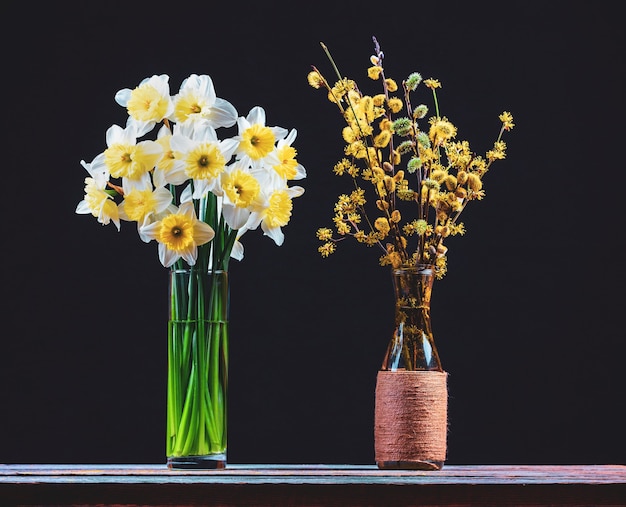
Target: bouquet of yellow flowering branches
pixel 406 158
pixel 419 178
pixel 196 195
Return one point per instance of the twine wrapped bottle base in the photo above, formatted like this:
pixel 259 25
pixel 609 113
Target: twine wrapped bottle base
pixel 411 419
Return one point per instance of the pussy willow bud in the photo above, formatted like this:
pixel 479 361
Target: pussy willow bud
pixel 450 182
pixel 474 182
pixel 413 80
pixel 382 205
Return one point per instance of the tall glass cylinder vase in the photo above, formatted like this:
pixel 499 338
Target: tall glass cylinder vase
pixel 197 369
pixel 411 387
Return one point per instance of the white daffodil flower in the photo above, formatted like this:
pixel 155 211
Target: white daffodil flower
pixel 128 159
pixel 169 169
pixel 288 168
pixel 203 154
pixel 196 100
pixel 97 202
pixel 98 170
pixel 179 234
pixel 146 206
pixel 257 142
pixel 148 103
pixel 276 213
pixel 241 194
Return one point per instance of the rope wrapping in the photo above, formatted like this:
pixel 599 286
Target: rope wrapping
pixel 411 419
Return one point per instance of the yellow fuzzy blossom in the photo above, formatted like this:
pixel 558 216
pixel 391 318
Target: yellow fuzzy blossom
pixel 354 218
pixel 382 224
pixel 353 170
pixel 382 139
pixel 357 197
pixel 350 134
pixel 341 88
pixel 356 149
pixel 507 120
pixel 379 99
pixel 374 72
pixel 392 86
pixel 343 204
pixel 498 152
pixel 341 225
pixel 326 249
pixel 341 167
pixel 441 130
pixel 324 234
pixel 315 79
pixel 395 104
pixel 432 83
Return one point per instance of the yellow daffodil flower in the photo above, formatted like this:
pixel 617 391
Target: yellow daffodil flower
pixel 196 101
pixel 179 234
pixel 128 159
pixel 276 214
pixel 148 103
pixel 204 156
pixel 97 202
pixel 257 141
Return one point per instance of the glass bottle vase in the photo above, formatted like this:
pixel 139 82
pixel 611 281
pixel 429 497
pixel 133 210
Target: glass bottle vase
pixel 197 369
pixel 410 426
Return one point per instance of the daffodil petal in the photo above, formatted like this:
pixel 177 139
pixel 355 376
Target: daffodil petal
pixel 203 233
pixel 274 233
pixel 235 217
pixel 237 251
pixel 190 255
pixel 167 256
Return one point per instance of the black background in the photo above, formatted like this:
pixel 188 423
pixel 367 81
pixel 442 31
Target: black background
pixel 529 320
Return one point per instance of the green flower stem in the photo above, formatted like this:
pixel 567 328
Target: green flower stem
pixel 198 343
pixel 197 363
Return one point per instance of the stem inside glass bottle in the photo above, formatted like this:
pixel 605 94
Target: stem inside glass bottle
pixel 412 346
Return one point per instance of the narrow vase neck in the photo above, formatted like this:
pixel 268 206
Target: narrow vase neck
pixel 412 346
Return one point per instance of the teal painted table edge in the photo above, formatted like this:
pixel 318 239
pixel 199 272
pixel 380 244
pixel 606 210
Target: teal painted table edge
pixel 313 485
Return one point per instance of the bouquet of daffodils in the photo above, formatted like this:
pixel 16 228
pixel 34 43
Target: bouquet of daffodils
pixel 195 194
pixel 420 176
pixel 192 192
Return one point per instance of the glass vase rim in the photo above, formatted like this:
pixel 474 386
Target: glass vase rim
pixel 191 269
pixel 419 267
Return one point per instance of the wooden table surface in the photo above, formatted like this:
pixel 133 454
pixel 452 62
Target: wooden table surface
pixel 314 485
